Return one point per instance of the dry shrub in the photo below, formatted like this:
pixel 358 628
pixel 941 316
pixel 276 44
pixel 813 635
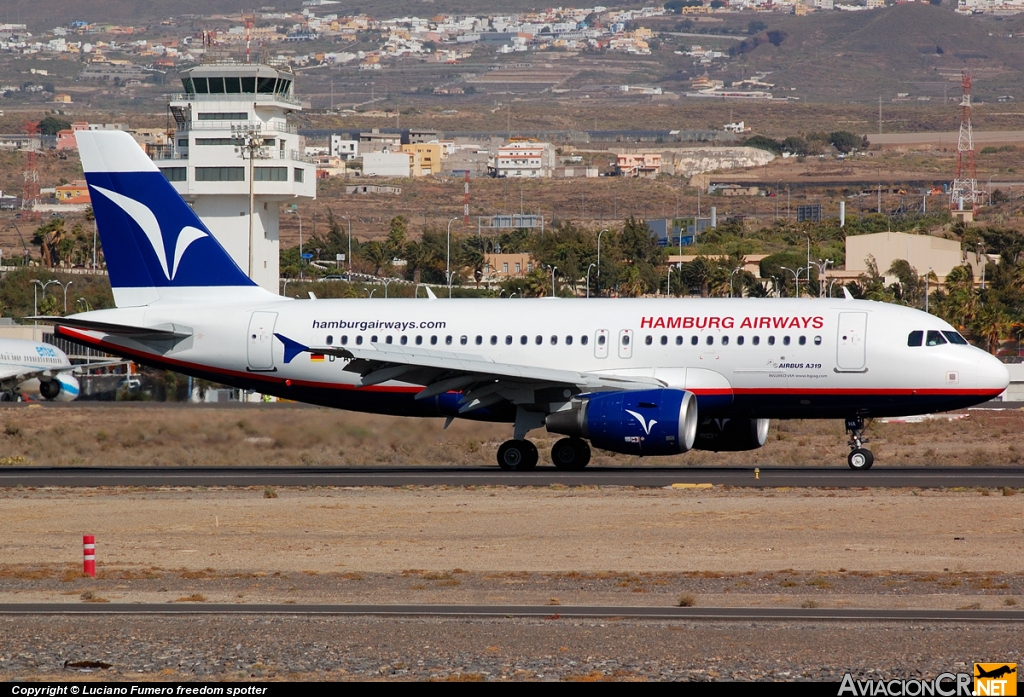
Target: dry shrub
pixel 686 600
pixel 194 598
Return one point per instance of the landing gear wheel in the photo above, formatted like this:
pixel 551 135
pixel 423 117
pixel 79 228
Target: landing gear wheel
pixel 517 455
pixel 861 459
pixel 571 454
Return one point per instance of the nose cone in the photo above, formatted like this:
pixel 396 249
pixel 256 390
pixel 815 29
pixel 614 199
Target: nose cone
pixel 993 376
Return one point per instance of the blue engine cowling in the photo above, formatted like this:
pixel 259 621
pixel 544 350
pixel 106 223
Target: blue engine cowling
pixel 645 422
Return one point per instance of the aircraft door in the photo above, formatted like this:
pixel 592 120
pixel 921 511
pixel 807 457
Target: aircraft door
pixel 601 343
pixel 851 352
pixel 260 341
pixel 626 343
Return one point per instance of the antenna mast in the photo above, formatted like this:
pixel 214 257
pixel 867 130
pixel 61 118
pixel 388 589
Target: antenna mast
pixel 963 194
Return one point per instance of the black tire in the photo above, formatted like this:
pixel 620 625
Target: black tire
pixel 570 454
pixel 861 459
pixel 517 455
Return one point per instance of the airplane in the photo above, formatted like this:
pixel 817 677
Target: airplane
pixel 638 376
pixel 35 369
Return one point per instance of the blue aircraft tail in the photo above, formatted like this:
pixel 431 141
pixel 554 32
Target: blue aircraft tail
pixel 154 244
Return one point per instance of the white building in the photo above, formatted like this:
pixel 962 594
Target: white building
pixel 345 149
pixel 386 164
pixel 206 166
pixel 527 160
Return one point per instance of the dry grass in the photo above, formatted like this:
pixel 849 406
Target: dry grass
pixel 161 435
pixel 194 598
pixel 686 600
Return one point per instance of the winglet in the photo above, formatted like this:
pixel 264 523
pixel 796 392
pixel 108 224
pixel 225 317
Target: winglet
pixel 846 293
pixel 291 348
pixel 430 293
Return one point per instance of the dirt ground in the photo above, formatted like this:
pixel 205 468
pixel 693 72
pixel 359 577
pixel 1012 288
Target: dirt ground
pixel 285 434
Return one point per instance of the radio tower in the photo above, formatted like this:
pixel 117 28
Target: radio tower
pixel 964 192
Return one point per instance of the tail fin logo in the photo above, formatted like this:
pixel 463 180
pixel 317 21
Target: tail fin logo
pixel 145 219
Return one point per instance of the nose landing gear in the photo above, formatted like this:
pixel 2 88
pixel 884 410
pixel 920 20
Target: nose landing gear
pixel 860 458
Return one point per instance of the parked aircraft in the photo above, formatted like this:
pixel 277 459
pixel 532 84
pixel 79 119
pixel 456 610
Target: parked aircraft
pixel 640 376
pixel 35 369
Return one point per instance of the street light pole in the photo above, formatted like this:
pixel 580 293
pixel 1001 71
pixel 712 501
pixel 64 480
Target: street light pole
pixel 730 278
pixel 668 282
pixel 250 147
pixel 553 269
pixel 66 285
pixel 599 261
pixel 588 278
pixel 448 258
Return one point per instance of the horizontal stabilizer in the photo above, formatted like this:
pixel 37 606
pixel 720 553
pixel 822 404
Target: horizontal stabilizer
pixel 162 331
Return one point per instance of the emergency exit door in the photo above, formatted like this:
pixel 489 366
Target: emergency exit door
pixel 851 351
pixel 260 352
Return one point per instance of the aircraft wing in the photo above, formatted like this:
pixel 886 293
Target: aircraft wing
pixel 481 380
pixel 13 375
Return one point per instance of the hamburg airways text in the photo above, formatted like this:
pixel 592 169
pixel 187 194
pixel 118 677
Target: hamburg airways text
pixel 364 324
pixel 711 322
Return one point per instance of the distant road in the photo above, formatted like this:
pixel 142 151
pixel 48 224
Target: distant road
pixel 838 476
pixel 549 611
pixel 945 138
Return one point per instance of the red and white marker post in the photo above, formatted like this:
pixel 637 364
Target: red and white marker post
pixel 89 555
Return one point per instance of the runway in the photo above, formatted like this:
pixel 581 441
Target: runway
pixel 510 611
pixel 839 476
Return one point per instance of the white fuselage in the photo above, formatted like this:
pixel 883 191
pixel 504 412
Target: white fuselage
pixel 25 364
pixel 777 358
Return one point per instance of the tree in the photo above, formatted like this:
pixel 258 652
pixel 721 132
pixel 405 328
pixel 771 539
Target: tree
pixel 763 143
pixel 51 126
pixel 376 254
pixel 756 27
pixel 909 287
pixel 396 235
pixel 845 141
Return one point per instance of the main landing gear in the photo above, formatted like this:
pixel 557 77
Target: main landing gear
pixel 517 455
pixel 860 458
pixel 570 454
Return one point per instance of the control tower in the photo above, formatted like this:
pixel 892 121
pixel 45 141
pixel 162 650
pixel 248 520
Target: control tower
pixel 232 149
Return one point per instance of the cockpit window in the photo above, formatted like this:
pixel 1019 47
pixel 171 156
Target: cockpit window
pixel 935 339
pixel 915 338
pixel 955 338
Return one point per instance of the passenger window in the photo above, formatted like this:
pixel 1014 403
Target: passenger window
pixel 448 340
pixel 463 339
pixel 625 339
pixel 915 338
pixel 739 341
pixel 404 340
pixel 694 340
pixel 523 340
pixel 771 341
pixel 725 341
pixel 508 340
pixel 935 339
pixel 538 339
pixel 710 340
pixel 785 341
pixel 600 340
pixel 330 339
pixel 584 339
pixel 373 339
pixel 803 340
pixel 568 340
pixel 433 340
pixel 387 339
pixel 344 340
pixel 479 340
pixel 664 341
pixel 648 339
pixel 756 340
pixel 679 341
pixel 955 338
pixel 359 339
pixel 494 340
pixel 554 340
pixel 817 341
pixel 419 340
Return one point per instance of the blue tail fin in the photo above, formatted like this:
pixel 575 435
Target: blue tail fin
pixel 152 240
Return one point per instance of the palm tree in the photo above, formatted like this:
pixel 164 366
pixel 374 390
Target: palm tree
pixel 377 255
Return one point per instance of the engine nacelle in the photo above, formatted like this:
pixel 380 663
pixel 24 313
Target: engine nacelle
pixel 731 435
pixel 60 388
pixel 645 422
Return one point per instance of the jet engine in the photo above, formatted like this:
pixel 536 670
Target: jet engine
pixel 731 435
pixel 60 388
pixel 644 422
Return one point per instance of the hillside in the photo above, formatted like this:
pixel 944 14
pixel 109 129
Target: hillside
pixel 914 48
